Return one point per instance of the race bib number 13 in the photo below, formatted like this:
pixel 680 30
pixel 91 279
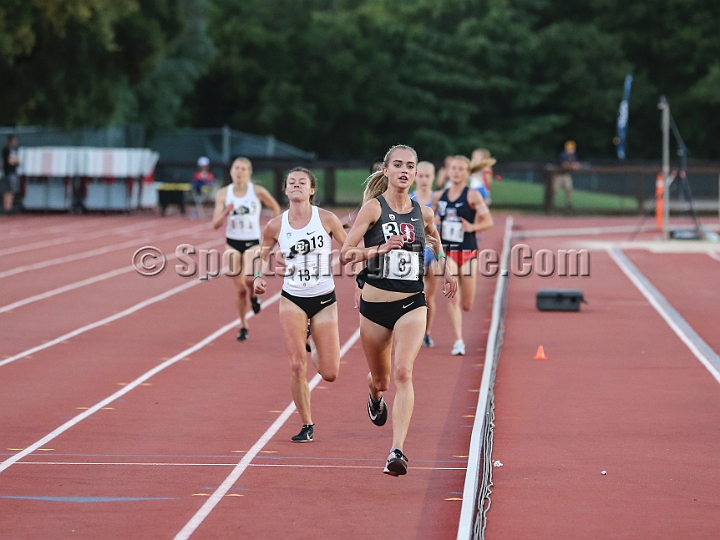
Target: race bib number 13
pixel 304 274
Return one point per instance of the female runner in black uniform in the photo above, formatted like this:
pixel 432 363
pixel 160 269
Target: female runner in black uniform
pixel 462 213
pixel 392 306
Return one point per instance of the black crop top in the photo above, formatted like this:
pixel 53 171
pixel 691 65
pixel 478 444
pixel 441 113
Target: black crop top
pixel 402 271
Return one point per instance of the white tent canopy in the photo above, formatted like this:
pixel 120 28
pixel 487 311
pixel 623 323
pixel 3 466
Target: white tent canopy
pixel 86 161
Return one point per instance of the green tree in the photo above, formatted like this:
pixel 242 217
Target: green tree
pixel 68 62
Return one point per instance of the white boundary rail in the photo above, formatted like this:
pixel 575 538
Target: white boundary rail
pixel 471 506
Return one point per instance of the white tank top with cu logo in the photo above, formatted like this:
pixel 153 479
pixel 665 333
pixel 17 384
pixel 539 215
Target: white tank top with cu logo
pixel 243 223
pixel 307 253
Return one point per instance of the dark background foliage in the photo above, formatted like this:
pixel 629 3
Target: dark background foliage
pixel 347 78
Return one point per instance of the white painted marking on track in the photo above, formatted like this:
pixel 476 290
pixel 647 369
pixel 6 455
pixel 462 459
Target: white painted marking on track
pixel 126 389
pixel 714 255
pixel 245 462
pixel 89 281
pixel 673 319
pixel 170 464
pixel 98 251
pixel 582 231
pixel 79 238
pixel 106 320
pixel 23 231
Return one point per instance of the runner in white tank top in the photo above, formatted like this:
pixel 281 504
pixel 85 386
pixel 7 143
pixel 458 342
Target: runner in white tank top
pixel 243 223
pixel 307 254
pixel 304 234
pixel 238 207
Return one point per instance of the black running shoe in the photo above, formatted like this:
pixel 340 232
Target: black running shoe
pixel 307 345
pixel 242 334
pixel 396 463
pixel 255 301
pixel 377 411
pixel 305 435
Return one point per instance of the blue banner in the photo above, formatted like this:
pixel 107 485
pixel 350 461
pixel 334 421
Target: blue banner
pixel 622 119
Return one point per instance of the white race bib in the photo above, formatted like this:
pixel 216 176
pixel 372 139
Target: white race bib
pixel 452 231
pixel 304 273
pixel 401 264
pixel 242 224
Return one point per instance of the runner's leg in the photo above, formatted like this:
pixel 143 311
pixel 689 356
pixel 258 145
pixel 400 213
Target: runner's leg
pixel 408 336
pixel 324 328
pixel 294 327
pixel 377 343
pixel 454 310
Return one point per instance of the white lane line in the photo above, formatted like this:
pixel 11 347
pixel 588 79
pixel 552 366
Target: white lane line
pixel 99 251
pixel 168 464
pixel 106 320
pixel 582 231
pixel 89 281
pixel 125 389
pixel 701 350
pixel 79 238
pixel 240 468
pixel 714 255
pixel 22 231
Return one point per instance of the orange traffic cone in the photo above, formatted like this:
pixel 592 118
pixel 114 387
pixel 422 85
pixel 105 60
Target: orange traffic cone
pixel 540 354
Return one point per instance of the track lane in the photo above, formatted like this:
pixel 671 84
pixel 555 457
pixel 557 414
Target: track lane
pixel 152 420
pixel 334 486
pixel 88 250
pixel 689 282
pixel 41 390
pixel 620 392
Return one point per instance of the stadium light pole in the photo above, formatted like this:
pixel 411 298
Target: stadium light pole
pixel 664 106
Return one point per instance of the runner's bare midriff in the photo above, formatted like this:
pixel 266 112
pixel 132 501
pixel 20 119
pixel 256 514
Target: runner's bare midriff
pixel 373 294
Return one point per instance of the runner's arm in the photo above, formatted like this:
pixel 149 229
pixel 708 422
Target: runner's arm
pixel 483 219
pixel 450 284
pixel 366 218
pixel 332 224
pixel 268 200
pixel 270 236
pixel 220 212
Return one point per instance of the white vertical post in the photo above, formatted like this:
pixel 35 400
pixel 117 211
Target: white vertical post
pixel 665 108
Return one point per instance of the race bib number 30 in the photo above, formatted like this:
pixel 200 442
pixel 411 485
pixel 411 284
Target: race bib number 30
pixel 401 264
pixel 452 231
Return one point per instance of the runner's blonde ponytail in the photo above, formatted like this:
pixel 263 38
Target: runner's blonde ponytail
pixel 377 183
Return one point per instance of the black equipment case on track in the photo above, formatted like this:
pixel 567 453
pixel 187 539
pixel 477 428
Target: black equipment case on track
pixel 559 300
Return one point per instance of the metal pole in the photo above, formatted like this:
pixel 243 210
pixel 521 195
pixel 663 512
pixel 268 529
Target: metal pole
pixel 226 133
pixel 665 108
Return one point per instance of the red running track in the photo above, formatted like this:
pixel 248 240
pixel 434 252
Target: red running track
pixel 619 393
pixel 141 466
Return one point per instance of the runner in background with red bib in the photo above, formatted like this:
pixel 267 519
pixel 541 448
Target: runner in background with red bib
pixel 462 213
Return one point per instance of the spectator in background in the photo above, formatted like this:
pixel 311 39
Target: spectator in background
pixel 563 179
pixel 481 172
pixel 442 181
pixel 203 176
pixel 377 165
pixel 10 181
